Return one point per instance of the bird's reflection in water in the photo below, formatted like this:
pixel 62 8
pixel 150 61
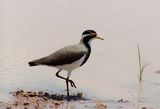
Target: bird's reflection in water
pixel 69 105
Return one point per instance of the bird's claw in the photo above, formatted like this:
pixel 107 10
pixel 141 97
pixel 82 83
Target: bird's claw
pixel 72 84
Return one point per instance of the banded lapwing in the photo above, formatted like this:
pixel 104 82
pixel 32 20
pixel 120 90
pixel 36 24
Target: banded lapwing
pixel 69 57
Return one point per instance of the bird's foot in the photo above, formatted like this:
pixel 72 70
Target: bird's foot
pixel 72 84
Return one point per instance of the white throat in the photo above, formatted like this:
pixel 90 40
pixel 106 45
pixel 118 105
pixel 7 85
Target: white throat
pixel 89 42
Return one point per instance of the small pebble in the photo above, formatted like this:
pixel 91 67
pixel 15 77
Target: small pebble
pixel 46 94
pixel 31 94
pixel 158 71
pixel 25 104
pixel 123 101
pixel 40 92
pixel 144 107
pixel 8 107
pixel 16 103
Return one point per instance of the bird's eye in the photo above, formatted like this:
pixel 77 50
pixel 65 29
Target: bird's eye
pixel 93 34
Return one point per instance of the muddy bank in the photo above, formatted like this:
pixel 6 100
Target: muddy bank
pixel 44 100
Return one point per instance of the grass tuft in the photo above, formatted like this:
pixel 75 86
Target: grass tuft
pixel 141 66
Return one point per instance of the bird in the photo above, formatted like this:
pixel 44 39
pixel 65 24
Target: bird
pixel 69 57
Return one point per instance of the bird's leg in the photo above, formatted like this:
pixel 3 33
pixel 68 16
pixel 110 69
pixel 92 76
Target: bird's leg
pixel 67 79
pixel 57 74
pixel 71 82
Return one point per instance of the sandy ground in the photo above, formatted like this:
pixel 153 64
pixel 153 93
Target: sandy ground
pixel 44 100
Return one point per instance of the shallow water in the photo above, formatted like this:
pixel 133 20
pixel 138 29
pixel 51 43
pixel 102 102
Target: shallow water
pixel 110 73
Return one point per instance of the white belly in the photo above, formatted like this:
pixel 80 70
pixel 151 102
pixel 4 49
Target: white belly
pixel 72 66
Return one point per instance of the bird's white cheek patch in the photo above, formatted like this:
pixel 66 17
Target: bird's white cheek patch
pixel 72 66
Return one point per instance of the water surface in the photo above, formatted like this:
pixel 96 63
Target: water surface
pixel 33 29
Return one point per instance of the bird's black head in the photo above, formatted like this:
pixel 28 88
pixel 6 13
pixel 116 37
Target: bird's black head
pixel 88 35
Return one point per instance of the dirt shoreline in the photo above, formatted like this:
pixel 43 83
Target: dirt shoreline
pixel 44 100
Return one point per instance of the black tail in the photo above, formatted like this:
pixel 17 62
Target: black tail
pixel 32 63
pixel 40 61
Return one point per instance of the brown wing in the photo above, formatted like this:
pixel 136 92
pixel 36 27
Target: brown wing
pixel 65 55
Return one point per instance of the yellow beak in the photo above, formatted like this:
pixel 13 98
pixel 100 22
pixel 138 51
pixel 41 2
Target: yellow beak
pixel 97 37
